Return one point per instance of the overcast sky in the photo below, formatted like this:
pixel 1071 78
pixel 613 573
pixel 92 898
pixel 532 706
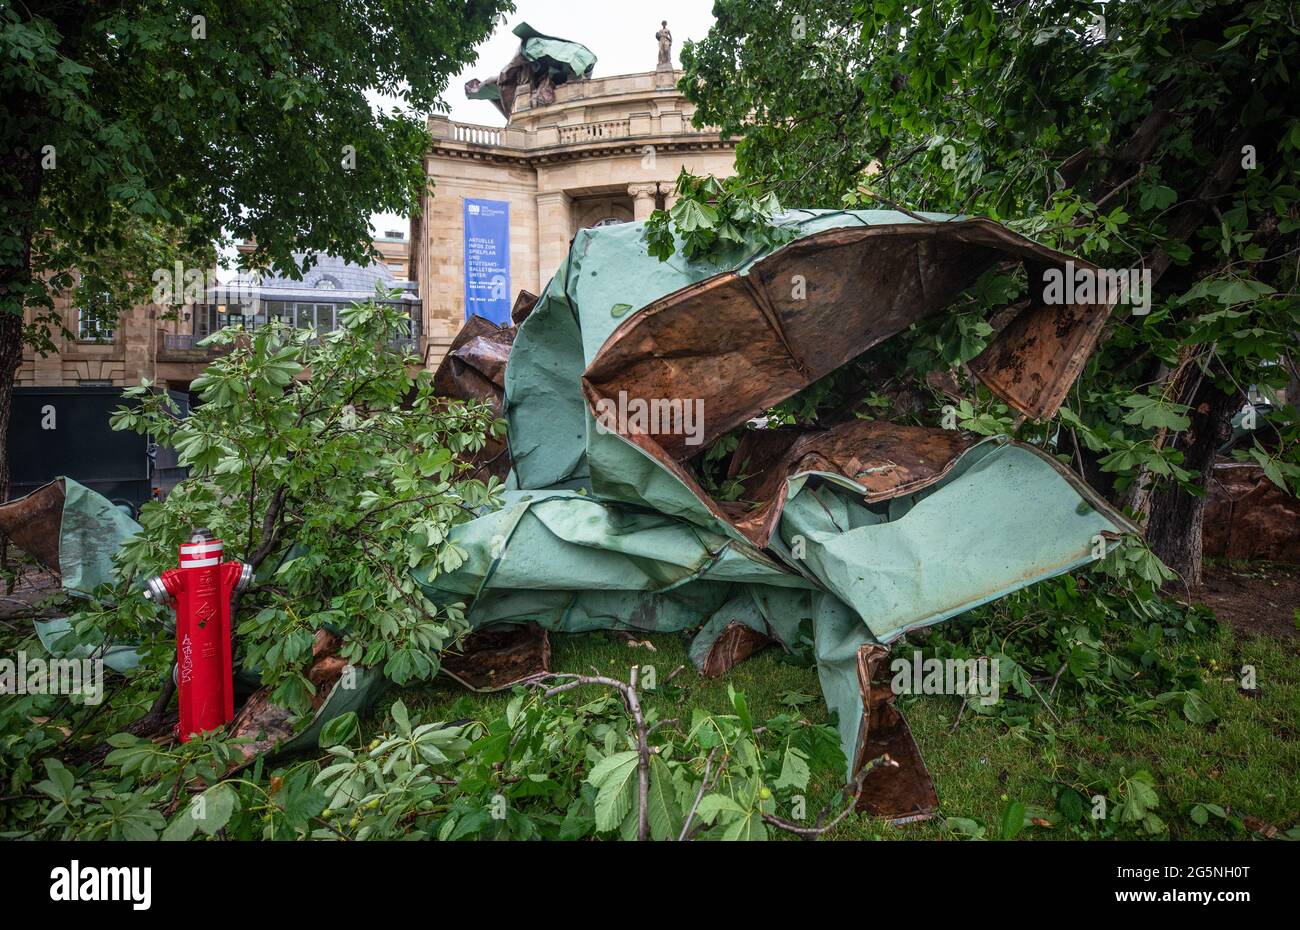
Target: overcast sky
pixel 620 32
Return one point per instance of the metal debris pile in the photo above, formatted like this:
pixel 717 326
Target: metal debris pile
pixel 627 369
pixel 615 383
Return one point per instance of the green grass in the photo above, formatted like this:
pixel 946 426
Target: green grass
pixel 1247 760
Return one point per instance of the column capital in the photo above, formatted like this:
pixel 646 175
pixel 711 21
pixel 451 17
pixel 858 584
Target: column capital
pixel 553 197
pixel 643 200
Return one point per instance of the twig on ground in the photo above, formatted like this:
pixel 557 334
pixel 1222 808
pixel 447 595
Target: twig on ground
pixel 956 723
pixel 704 787
pixel 852 791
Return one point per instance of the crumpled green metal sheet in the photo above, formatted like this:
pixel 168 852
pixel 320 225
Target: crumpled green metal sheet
pixel 569 562
pixel 120 658
pixel 572 57
pixel 608 277
pixel 1004 516
pixel 541 62
pixel 93 529
pixel 604 277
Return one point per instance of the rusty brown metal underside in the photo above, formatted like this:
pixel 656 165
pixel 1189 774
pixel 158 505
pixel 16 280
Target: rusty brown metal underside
pixel 261 725
pixel 736 644
pixel 888 459
pixel 474 368
pixel 742 343
pixel 496 658
pixel 34 522
pixel 904 792
pixel 524 303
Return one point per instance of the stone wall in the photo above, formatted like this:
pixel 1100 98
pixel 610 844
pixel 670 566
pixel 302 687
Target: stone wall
pixel 607 148
pixel 122 361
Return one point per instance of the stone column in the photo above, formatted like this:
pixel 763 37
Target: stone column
pixel 670 193
pixel 643 200
pixel 138 337
pixel 554 232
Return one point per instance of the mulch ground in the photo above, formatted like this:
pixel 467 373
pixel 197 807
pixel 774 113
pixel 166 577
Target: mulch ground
pixel 1255 598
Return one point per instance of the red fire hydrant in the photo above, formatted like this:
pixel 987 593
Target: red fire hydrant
pixel 201 589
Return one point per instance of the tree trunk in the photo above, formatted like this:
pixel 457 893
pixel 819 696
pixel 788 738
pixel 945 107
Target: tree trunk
pixel 11 356
pixel 20 202
pixel 1174 530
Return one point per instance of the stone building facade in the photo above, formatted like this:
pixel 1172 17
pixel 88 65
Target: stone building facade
pixel 159 342
pixel 608 150
pixel 100 354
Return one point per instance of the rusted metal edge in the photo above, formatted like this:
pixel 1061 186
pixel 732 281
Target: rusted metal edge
pixel 905 458
pixel 735 644
pixel 903 792
pixel 34 523
pixel 1040 352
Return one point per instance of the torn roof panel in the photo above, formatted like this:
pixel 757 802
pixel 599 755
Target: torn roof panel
pixel 754 336
pixel 542 62
pixel 572 58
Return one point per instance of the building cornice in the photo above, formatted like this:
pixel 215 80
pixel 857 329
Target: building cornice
pixel 627 145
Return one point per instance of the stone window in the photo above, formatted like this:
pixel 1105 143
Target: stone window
pixel 97 318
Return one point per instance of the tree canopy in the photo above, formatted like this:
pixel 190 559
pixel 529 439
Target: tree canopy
pixel 215 120
pixel 1162 137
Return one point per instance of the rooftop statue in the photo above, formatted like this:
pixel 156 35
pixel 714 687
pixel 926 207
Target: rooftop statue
pixel 665 40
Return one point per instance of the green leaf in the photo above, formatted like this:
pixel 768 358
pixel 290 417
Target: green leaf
pixel 61 778
pixel 662 810
pixel 1071 805
pixel 691 215
pixel 1013 820
pixel 964 826
pixel 1139 798
pixel 742 708
pixel 614 777
pixel 218 804
pixel 794 770
pixel 342 729
pixel 1153 412
pixel 711 805
pixel 1158 197
pixel 1196 709
pixel 402 718
pixel 750 826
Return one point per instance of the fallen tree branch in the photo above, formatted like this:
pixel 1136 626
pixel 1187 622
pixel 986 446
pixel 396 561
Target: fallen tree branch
pixel 851 792
pixel 704 787
pixel 628 689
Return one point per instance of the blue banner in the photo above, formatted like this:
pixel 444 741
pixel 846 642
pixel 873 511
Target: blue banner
pixel 487 259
